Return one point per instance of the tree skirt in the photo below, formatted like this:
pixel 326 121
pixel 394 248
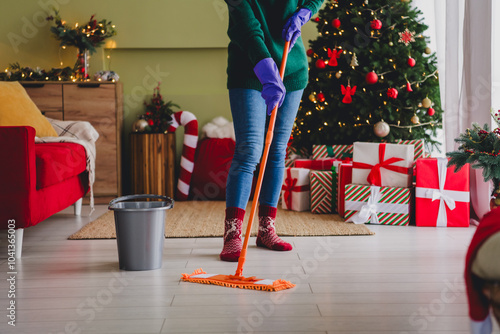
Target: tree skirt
pixel 195 219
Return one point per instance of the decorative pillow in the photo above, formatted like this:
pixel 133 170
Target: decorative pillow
pixel 17 108
pixel 211 167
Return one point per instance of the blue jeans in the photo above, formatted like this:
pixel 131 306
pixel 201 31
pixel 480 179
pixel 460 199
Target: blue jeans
pixel 250 125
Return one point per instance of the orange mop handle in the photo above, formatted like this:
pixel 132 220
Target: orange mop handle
pixel 263 162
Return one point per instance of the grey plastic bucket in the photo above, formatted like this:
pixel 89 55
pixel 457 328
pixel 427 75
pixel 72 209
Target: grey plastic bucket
pixel 140 230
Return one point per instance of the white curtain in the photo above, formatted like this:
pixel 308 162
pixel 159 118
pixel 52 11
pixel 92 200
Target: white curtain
pixel 462 30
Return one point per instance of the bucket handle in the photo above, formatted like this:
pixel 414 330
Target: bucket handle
pixel 140 196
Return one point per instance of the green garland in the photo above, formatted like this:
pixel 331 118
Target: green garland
pixel 17 73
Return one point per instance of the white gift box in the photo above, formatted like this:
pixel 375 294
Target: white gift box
pixel 296 189
pixel 381 164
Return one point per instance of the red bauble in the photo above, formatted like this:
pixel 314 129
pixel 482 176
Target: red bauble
pixel 431 111
pixel 316 19
pixel 151 122
pixel 320 63
pixel 411 62
pixel 371 78
pixel 310 52
pixel 336 23
pixel 392 93
pixel 376 24
pixel 321 97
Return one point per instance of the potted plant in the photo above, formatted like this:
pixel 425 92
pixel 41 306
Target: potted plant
pixel 480 148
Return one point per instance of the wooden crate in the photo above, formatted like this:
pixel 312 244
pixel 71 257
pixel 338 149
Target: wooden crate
pixel 153 163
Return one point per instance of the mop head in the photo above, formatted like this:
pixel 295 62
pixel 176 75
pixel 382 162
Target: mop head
pixel 231 281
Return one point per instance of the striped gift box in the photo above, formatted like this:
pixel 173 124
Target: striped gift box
pixel 330 151
pixel 294 153
pixel 323 189
pixel 419 147
pixel 390 205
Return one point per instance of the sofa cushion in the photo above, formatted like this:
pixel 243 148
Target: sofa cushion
pixel 17 108
pixel 56 162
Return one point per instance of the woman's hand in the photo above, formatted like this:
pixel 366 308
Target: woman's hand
pixel 273 90
pixel 291 30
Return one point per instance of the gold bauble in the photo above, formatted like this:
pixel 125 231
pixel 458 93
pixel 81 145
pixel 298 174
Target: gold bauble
pixel 312 97
pixel 426 103
pixel 381 129
pixel 338 75
pixel 428 50
pixel 139 125
pixel 415 119
pixel 391 43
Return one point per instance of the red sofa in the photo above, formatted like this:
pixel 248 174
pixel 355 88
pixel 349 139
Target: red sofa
pixel 37 180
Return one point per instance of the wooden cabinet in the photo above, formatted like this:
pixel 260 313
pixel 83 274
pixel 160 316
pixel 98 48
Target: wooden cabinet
pixel 101 104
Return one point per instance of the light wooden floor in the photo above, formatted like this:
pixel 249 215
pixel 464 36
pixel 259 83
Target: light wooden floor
pixel 401 280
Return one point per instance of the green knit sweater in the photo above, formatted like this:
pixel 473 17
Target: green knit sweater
pixel 255 32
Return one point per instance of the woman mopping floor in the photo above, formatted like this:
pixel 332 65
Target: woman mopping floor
pixel 258 31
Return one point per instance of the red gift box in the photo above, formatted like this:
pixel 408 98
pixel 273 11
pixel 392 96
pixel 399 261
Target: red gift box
pixel 442 196
pixel 320 164
pixel 345 177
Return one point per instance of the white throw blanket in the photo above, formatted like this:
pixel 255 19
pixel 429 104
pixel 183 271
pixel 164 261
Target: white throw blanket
pixel 78 132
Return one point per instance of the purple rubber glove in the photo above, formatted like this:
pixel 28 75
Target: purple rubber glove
pixel 291 30
pixel 273 90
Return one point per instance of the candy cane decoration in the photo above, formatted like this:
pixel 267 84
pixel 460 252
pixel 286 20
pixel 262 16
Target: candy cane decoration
pixel 190 124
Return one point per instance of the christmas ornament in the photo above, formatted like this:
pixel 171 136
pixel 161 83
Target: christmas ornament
pixel 406 37
pixel 312 97
pixel 392 93
pixel 430 111
pixel 310 52
pixel 316 19
pixel 428 50
pixel 408 87
pixel 347 92
pixel 334 55
pixel 376 24
pixel 320 64
pixel 321 97
pixel 338 75
pixel 391 43
pixel 371 77
pixel 414 119
pixel 336 23
pixel 411 62
pixel 381 129
pixel 426 103
pixel 139 125
pixel 354 60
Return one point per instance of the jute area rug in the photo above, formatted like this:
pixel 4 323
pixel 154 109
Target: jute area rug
pixel 206 219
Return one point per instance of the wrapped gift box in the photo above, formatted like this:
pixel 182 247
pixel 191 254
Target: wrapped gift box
pixel 382 164
pixel 294 153
pixel 331 151
pixel 418 147
pixel 377 205
pixel 296 189
pixel 344 177
pixel 289 162
pixel 442 196
pixel 323 191
pixel 319 164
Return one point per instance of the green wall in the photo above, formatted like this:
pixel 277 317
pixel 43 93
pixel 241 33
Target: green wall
pixel 181 43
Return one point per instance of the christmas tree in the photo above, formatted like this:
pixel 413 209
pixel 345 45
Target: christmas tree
pixel 372 76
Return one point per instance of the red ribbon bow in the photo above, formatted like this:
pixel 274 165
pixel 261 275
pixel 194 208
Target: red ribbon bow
pixel 289 186
pixel 375 178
